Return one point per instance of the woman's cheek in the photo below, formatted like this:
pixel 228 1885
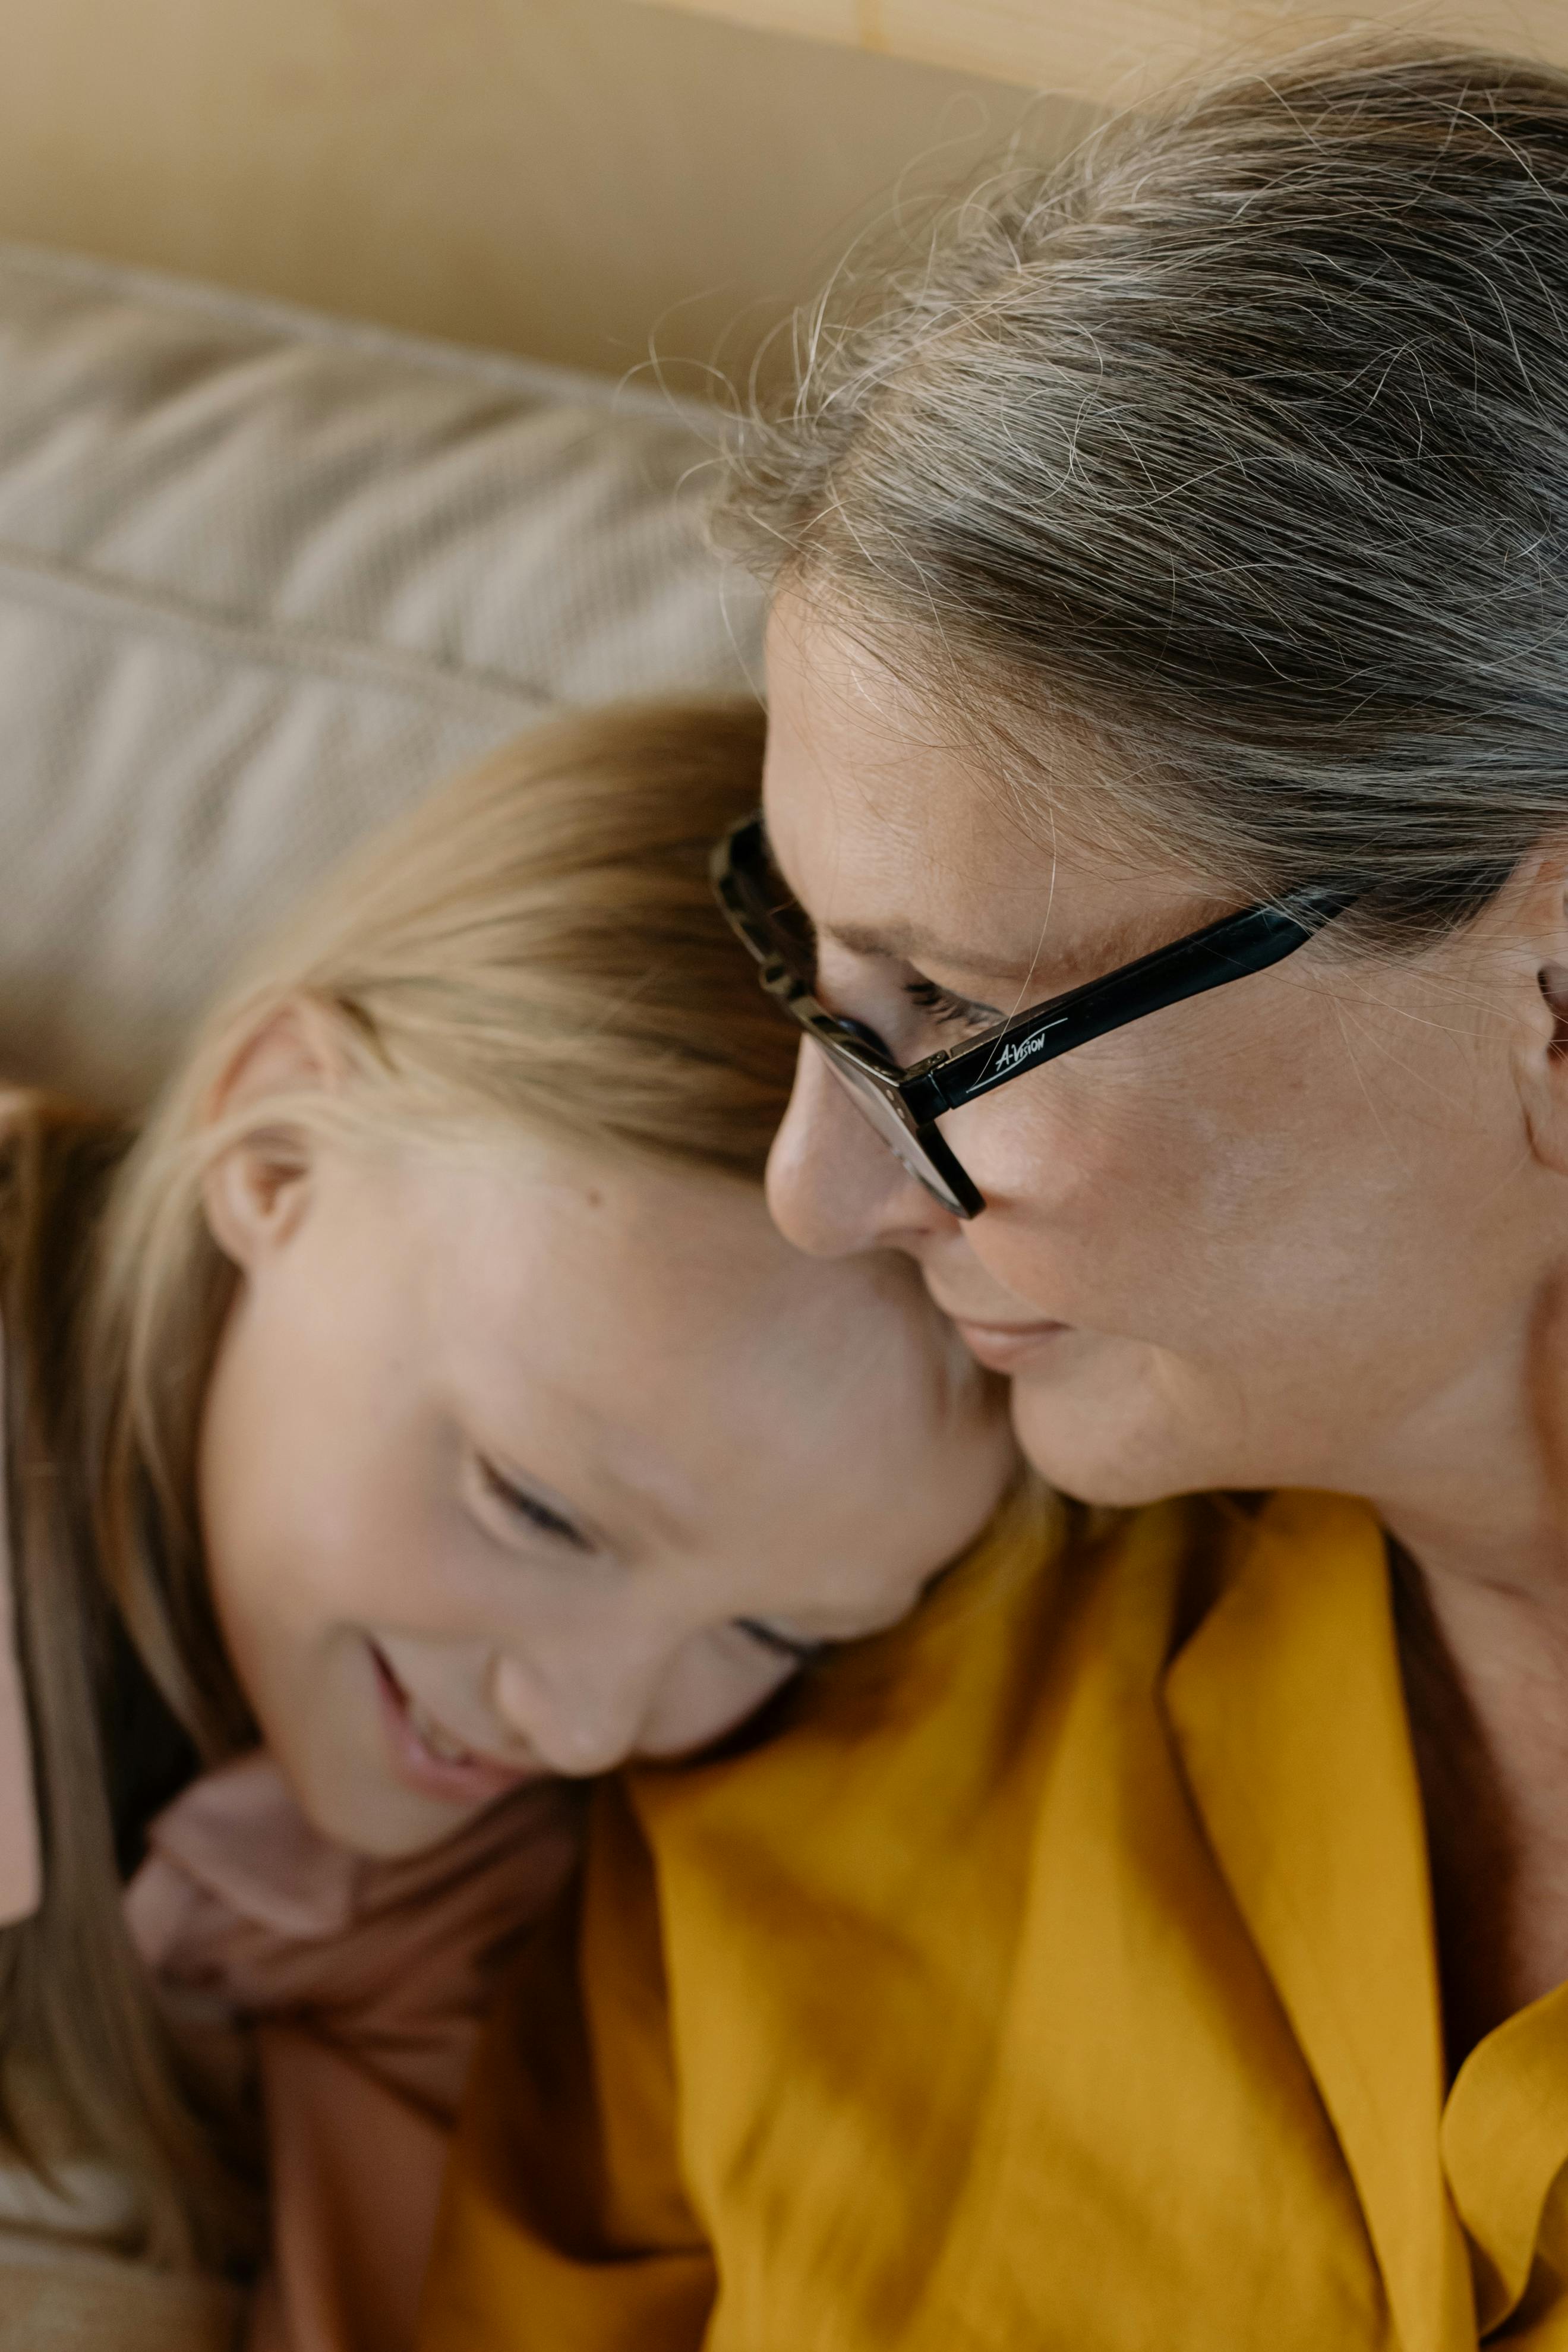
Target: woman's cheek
pixel 1067 1177
pixel 1101 1224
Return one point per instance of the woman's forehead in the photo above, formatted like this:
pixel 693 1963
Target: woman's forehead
pixel 899 846
pixel 866 814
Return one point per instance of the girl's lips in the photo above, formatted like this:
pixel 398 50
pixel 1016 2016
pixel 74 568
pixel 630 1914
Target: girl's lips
pixel 464 1779
pixel 1008 1346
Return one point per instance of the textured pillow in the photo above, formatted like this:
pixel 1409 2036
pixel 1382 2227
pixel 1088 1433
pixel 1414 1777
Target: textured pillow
pixel 264 578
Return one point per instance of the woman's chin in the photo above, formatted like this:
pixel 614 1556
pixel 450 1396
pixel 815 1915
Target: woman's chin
pixel 1106 1441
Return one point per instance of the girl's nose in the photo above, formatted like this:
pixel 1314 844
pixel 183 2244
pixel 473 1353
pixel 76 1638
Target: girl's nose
pixel 577 1723
pixel 833 1186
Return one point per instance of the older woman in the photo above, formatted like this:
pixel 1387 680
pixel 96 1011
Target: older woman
pixel 1169 770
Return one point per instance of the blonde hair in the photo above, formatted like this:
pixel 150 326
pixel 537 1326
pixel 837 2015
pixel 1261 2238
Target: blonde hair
pixel 534 946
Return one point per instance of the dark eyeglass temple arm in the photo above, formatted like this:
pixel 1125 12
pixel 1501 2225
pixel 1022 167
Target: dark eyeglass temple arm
pixel 1226 951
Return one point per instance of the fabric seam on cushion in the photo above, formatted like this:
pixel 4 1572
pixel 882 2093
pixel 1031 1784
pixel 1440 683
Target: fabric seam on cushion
pixel 296 322
pixel 386 670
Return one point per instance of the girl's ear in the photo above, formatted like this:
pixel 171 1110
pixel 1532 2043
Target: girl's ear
pixel 257 1193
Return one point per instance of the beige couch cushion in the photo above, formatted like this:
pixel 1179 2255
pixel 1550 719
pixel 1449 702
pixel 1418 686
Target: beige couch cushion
pixel 263 579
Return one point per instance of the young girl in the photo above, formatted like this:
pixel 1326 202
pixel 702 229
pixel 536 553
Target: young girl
pixel 419 1408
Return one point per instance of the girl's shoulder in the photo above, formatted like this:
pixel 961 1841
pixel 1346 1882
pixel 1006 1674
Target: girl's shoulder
pixel 29 1113
pixel 23 1105
pixel 55 1156
pixel 27 1117
pixel 15 1103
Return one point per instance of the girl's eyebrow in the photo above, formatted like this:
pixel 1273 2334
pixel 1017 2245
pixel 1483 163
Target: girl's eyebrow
pixel 648 1499
pixel 643 1495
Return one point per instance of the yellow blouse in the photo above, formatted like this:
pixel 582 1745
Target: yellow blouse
pixel 1062 1976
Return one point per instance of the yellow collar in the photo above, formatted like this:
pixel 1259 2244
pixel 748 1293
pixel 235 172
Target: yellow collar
pixel 1288 1712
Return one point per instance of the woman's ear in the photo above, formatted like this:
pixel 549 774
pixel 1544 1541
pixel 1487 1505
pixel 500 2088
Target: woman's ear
pixel 1542 1064
pixel 257 1193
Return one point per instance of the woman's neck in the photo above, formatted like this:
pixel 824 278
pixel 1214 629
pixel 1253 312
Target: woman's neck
pixel 1486 1681
pixel 1472 1476
pixel 1478 1511
pixel 1476 1503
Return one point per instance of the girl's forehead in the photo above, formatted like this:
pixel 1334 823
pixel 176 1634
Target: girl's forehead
pixel 669 1398
pixel 628 1284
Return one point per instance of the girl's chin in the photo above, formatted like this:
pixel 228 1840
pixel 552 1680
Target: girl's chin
pixel 359 1806
pixel 386 1824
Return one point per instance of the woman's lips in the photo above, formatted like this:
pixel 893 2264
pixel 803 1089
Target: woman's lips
pixel 456 1775
pixel 1006 1347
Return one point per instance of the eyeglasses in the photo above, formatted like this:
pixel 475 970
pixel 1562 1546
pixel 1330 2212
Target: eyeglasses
pixel 903 1105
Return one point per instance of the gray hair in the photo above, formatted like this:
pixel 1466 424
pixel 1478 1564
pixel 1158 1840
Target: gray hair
pixel 1240 444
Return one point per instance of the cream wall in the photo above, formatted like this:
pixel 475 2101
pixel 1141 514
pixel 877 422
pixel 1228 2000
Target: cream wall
pixel 1115 51
pixel 565 177
pixel 561 177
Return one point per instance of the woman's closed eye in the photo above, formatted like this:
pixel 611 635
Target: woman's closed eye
pixel 531 1509
pixel 941 1005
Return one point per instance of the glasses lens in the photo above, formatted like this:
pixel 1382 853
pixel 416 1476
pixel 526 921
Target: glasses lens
pixel 760 908
pixel 905 1145
pixel 773 919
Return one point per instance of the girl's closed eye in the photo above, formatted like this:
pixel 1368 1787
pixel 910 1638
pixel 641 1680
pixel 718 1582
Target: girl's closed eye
pixel 534 1513
pixel 783 1645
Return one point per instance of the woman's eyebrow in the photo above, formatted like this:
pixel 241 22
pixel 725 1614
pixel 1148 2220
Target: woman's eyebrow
pixel 908 943
pixel 898 942
pixel 1134 935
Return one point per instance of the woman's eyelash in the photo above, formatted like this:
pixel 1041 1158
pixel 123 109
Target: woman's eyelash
pixel 529 1506
pixel 943 1005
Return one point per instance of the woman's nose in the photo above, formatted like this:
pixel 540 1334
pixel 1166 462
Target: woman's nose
pixel 576 1724
pixel 833 1186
